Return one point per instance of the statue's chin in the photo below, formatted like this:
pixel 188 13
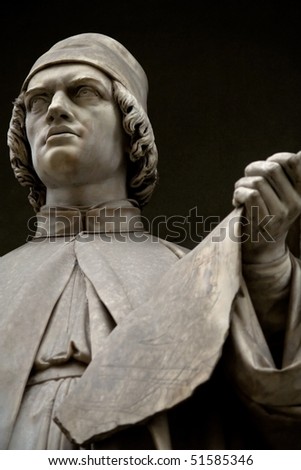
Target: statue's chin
pixel 59 165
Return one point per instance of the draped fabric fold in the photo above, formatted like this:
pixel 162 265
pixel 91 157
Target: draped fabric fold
pixel 271 395
pixel 166 347
pixel 52 286
pixel 160 325
pixel 26 306
pixel 255 371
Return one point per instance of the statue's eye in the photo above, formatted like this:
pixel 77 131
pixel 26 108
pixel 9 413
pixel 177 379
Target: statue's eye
pixel 37 103
pixel 86 92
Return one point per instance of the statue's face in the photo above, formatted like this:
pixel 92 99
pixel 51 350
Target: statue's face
pixel 73 126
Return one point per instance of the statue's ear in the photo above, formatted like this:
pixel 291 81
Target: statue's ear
pixel 294 237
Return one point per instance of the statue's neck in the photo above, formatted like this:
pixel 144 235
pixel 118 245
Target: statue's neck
pixel 86 194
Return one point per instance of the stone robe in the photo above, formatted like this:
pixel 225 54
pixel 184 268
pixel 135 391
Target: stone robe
pixel 121 332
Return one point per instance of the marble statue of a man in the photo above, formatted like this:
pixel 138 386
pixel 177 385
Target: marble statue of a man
pixel 110 337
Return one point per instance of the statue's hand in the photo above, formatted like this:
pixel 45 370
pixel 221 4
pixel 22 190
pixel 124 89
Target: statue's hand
pixel 271 194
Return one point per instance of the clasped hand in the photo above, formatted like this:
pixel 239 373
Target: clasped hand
pixel 270 192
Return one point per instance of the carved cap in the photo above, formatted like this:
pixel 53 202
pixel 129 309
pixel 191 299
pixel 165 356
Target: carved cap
pixel 102 52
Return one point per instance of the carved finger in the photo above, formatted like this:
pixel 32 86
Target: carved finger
pixel 271 200
pixel 252 200
pixel 291 164
pixel 277 178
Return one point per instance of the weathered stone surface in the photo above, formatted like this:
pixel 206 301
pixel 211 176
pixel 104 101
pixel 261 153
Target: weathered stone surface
pixel 165 348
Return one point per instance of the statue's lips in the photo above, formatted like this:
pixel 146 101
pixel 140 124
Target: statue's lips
pixel 60 132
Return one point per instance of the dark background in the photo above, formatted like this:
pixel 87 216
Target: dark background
pixel 225 89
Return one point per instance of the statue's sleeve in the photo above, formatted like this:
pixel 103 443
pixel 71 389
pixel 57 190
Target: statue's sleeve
pixel 269 286
pixel 270 391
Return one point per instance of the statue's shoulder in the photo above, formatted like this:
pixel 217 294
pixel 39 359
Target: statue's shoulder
pixel 10 255
pixel 16 261
pixel 29 255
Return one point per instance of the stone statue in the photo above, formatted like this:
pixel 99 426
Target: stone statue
pixel 112 338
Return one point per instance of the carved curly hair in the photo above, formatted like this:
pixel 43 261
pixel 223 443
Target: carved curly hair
pixel 142 155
